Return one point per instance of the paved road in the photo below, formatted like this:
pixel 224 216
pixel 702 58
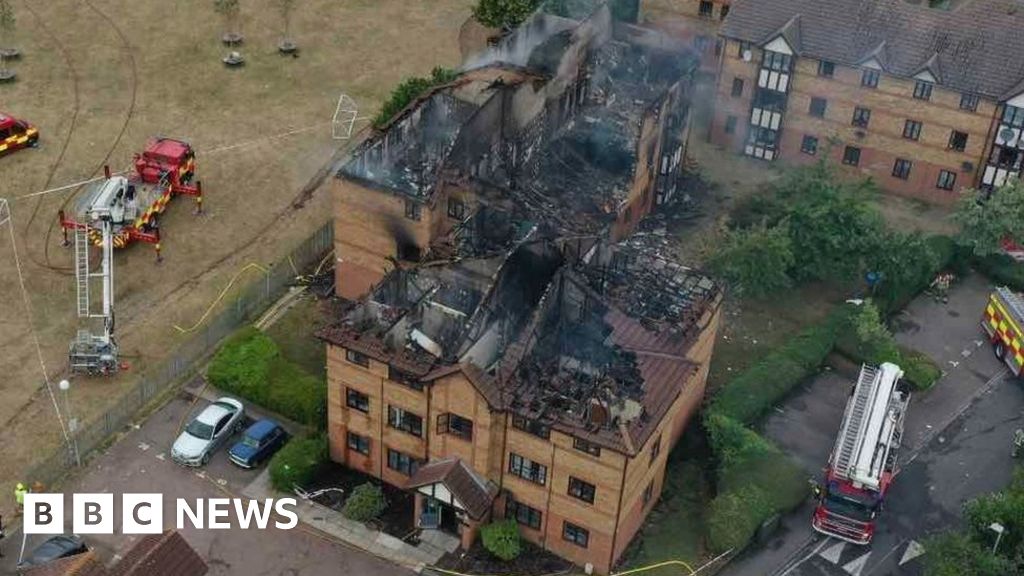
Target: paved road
pixel 140 462
pixel 953 432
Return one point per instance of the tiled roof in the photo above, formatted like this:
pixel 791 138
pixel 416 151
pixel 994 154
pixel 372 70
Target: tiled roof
pixel 412 362
pixel 166 554
pixel 974 47
pixel 474 493
pixel 79 565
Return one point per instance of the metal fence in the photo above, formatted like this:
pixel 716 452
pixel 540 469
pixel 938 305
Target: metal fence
pixel 184 361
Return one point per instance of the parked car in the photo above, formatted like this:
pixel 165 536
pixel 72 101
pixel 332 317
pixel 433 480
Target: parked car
pixel 55 548
pixel 207 431
pixel 16 134
pixel 258 444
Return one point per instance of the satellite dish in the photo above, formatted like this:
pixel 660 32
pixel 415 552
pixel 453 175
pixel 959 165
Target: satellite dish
pixel 747 55
pixel 1006 134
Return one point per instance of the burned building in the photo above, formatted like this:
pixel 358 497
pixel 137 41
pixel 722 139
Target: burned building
pixel 546 383
pixel 575 127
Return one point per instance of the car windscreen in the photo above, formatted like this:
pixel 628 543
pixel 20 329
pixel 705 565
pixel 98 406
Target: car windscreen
pixel 849 507
pixel 200 430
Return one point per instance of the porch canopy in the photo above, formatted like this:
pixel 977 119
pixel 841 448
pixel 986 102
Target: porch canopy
pixel 452 482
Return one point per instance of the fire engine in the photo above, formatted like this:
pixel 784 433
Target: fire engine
pixel 863 461
pixel 16 134
pixel 165 169
pixel 1002 321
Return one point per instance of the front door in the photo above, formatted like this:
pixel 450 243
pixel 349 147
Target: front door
pixel 430 517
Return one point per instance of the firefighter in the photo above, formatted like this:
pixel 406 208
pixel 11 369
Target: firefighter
pixel 941 286
pixel 19 496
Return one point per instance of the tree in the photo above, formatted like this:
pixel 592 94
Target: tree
pixel 366 502
pixel 410 89
pixel 501 538
pixel 985 223
pixel 832 226
pixel 504 13
pixel 7 25
pixel 229 11
pixel 954 554
pixel 756 261
pixel 904 264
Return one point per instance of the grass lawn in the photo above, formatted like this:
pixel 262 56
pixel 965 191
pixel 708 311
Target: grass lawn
pixel 675 529
pixel 752 328
pixel 294 331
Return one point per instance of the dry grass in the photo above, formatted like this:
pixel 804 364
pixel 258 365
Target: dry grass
pixel 76 82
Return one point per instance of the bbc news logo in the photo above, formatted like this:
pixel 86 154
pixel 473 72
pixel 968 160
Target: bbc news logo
pixel 144 513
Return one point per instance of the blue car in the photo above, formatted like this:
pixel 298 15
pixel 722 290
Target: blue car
pixel 260 442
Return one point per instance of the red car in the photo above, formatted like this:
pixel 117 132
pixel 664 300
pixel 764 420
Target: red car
pixel 16 134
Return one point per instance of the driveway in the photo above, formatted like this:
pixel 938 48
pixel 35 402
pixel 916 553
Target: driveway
pixel 962 426
pixel 140 462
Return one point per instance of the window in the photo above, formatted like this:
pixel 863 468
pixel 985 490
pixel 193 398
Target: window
pixel 809 145
pixel 655 449
pixel 456 208
pixel 531 426
pixel 575 534
pixel 588 447
pixel 861 117
pixel 851 156
pixel 901 168
pixel 356 399
pixel 357 358
pixel 358 443
pixel 730 125
pixel 402 462
pixel 818 107
pixel 744 47
pixel 826 68
pixel 777 61
pixel 523 514
pixel 958 141
pixel 869 78
pixel 455 425
pixel 923 90
pixel 947 179
pixel 969 102
pixel 408 422
pixel 527 469
pixel 724 12
pixel 648 493
pixel 706 8
pixel 404 378
pixel 413 210
pixel 737 87
pixel 912 130
pixel 583 490
pixel 1013 116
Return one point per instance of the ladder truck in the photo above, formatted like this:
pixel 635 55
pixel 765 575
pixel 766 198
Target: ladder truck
pixel 1002 322
pixel 863 461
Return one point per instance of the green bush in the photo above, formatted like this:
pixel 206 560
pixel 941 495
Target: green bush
pixel 733 442
pixel 1002 270
pixel 918 369
pixel 865 339
pixel 250 365
pixel 297 462
pixel 502 539
pixel 734 517
pixel 410 89
pixel 366 502
pixel 755 261
pixel 954 554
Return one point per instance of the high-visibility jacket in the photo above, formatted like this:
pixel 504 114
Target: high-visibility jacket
pixel 19 495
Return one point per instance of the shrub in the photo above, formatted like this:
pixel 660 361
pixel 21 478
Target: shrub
pixel 242 365
pixel 906 263
pixel 410 89
pixel 732 441
pixel 865 339
pixel 502 539
pixel 918 369
pixel 756 261
pixel 297 462
pixel 251 366
pixel 954 554
pixel 1002 270
pixel 366 502
pixel 734 517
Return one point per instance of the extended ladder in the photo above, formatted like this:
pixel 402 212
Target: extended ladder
pixel 82 270
pixel 849 442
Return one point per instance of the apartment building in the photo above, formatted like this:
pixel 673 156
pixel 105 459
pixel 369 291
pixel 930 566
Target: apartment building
pixel 582 125
pixel 546 383
pixel 921 99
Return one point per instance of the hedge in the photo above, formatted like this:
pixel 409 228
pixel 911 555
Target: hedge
pixel 366 502
pixel 918 369
pixel 297 462
pixel 251 366
pixel 1002 270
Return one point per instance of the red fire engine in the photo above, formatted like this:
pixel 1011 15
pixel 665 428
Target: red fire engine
pixel 165 169
pixel 863 461
pixel 16 134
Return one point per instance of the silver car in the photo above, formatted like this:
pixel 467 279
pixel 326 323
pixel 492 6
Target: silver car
pixel 207 431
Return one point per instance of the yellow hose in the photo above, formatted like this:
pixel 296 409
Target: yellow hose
pixel 250 266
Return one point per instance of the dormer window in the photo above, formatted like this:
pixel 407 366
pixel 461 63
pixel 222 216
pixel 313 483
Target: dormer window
pixel 923 90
